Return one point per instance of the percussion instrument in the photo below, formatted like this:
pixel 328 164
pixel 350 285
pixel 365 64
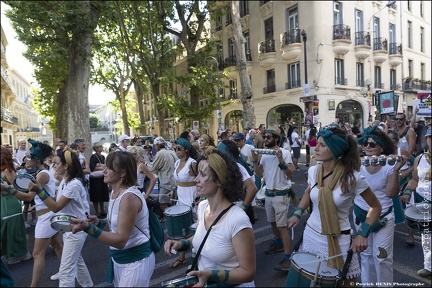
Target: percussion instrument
pixel 380 160
pixel 193 228
pixel 307 270
pixel 182 282
pixel 265 151
pixel 61 222
pixel 418 217
pixel 260 195
pixel 22 180
pixel 178 221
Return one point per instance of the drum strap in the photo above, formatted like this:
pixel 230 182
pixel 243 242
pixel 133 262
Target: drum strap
pixel 185 184
pixel 194 265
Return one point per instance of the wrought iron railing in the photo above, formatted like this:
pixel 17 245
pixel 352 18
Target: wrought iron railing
pixel 8 116
pixel 341 81
pixel 290 37
pixel 341 31
pixel 362 38
pixel 266 46
pixel 380 44
pixel 269 89
pixel 395 49
pixel 292 84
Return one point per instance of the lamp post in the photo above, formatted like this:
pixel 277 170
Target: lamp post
pixel 304 35
pixel 210 80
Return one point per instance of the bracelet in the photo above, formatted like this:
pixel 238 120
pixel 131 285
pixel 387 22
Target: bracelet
pixel 283 166
pixel 10 189
pixel 298 212
pixel 364 230
pixel 102 223
pixel 43 195
pixel 92 230
pixel 244 206
pixel 219 275
pixel 185 244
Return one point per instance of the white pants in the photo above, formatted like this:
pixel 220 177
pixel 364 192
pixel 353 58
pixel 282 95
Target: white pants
pixel 135 274
pixel 72 264
pixel 426 244
pixel 377 259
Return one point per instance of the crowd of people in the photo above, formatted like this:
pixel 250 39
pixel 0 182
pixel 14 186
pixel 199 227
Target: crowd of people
pixel 216 182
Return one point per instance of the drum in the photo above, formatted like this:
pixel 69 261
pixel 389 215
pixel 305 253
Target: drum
pixel 193 228
pixel 260 195
pixel 303 272
pixel 418 217
pixel 183 282
pixel 61 222
pixel 22 180
pixel 178 221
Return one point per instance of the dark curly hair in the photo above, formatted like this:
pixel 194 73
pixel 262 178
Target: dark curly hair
pixel 233 189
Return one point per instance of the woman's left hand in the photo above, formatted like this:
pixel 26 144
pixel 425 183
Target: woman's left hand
pixel 34 186
pixel 359 244
pixel 202 275
pixel 78 225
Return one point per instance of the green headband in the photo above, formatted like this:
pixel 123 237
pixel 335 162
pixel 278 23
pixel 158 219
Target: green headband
pixel 337 145
pixel 35 151
pixel 368 134
pixel 184 143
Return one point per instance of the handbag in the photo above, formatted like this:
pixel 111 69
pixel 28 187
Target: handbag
pixel 97 173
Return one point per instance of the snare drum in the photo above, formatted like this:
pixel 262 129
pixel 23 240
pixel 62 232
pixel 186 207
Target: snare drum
pixel 418 217
pixel 304 269
pixel 193 228
pixel 61 222
pixel 183 282
pixel 178 221
pixel 22 180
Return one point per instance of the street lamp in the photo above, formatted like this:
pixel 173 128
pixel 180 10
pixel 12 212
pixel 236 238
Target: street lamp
pixel 219 112
pixel 303 33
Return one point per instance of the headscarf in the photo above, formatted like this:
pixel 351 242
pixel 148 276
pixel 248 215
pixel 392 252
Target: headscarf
pixel 36 151
pixel 337 145
pixel 368 134
pixel 218 164
pixel 184 143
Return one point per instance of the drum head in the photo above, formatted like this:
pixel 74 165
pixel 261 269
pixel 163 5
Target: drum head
pixel 419 212
pixel 308 262
pixel 260 195
pixel 22 181
pixel 61 222
pixel 177 210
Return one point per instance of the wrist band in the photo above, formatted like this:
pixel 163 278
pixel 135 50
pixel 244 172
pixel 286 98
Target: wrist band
pixel 219 275
pixel 364 230
pixel 101 223
pixel 185 244
pixel 42 194
pixel 92 230
pixel 298 212
pixel 283 166
pixel 244 206
pixel 11 190
pixel 408 191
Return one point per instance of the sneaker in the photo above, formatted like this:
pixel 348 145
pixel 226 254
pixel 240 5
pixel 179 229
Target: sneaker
pixel 15 260
pixel 424 273
pixel 274 248
pixel 283 265
pixel 26 225
pixel 55 277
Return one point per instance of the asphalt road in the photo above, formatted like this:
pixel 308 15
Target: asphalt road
pixel 407 259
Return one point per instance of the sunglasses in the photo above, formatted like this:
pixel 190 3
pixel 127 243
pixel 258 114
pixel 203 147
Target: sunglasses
pixel 179 148
pixel 371 144
pixel 399 119
pixel 268 137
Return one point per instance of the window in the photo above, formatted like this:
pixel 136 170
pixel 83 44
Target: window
pixel 358 21
pixel 377 75
pixel 360 74
pixel 293 76
pixel 247 47
pixel 409 5
pixel 409 34
pixel 228 19
pixel 271 83
pixel 268 28
pixel 422 71
pixel 218 23
pixel 244 8
pixel 422 39
pixel 421 9
pixel 410 68
pixel 233 89
pixel 220 53
pixel 231 48
pixel 392 33
pixel 393 79
pixel 292 19
pixel 339 72
pixel 337 13
pixel 376 33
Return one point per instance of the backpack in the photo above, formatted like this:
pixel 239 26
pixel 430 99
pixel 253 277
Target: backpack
pixel 156 232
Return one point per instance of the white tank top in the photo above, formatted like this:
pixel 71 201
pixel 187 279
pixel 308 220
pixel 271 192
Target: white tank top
pixel 50 187
pixel 140 177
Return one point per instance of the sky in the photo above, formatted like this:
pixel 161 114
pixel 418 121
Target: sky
pixel 16 60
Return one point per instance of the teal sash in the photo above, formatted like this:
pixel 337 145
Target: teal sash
pixel 125 256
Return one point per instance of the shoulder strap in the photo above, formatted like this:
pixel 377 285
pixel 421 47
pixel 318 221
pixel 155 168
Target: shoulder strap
pixel 404 133
pixel 195 262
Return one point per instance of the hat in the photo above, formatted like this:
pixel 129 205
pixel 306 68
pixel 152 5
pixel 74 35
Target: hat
pixel 123 137
pixel 428 132
pixel 421 119
pixel 239 136
pixel 159 140
pixel 275 131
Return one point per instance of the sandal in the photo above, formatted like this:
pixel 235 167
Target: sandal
pixel 409 241
pixel 177 263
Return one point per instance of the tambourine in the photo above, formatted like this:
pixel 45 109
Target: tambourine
pixel 22 180
pixel 61 222
pixel 265 151
pixel 380 160
pixel 183 282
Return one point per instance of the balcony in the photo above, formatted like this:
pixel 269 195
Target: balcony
pixel 269 89
pixel 292 84
pixel 395 54
pixel 414 85
pixel 8 116
pixel 362 45
pixel 230 65
pixel 291 46
pixel 341 39
pixel 379 85
pixel 217 33
pixel 267 53
pixel 341 81
pixel 244 21
pixel 380 50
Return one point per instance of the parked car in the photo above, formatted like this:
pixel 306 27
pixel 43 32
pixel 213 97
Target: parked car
pixel 145 138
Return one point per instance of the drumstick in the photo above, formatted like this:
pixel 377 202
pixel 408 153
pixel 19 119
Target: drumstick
pixel 316 274
pixel 10 216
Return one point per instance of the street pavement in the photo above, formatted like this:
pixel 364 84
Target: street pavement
pixel 407 259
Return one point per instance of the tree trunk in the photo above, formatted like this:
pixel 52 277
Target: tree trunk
pixel 249 118
pixel 140 97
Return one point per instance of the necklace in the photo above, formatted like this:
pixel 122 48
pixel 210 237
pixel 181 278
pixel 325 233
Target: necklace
pixel 112 208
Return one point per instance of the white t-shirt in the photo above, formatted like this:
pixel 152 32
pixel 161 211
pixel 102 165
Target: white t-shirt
pixel 294 135
pixel 71 190
pixel 343 202
pixel 378 184
pixel 245 151
pixel 276 178
pixel 424 185
pixel 306 136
